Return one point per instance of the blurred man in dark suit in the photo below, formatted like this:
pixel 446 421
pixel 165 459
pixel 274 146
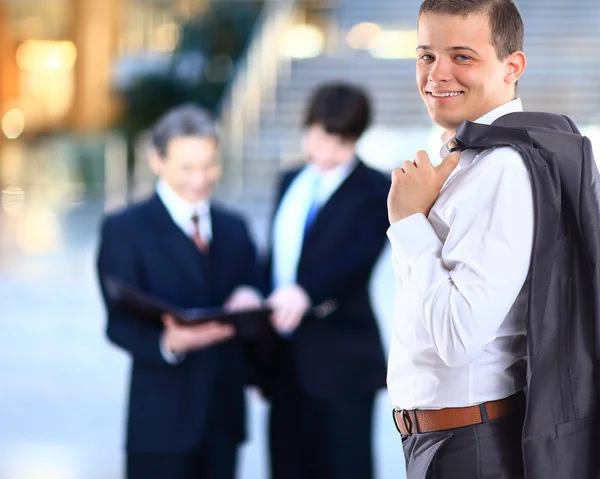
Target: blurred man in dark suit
pixel 328 231
pixel 186 407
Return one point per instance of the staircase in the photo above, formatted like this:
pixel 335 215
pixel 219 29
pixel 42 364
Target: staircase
pixel 563 73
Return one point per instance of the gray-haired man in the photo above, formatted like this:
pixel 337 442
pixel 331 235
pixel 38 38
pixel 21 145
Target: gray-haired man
pixel 186 407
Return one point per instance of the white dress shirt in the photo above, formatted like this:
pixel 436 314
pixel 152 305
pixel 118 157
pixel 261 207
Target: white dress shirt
pixel 288 228
pixel 181 213
pixel 462 284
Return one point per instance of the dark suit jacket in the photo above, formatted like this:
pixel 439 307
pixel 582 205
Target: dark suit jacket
pixel 337 349
pixel 169 406
pixel 563 327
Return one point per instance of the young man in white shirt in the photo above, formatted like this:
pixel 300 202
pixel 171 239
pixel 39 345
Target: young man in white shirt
pixel 462 235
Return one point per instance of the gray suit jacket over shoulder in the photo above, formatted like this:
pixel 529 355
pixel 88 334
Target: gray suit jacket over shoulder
pixel 563 316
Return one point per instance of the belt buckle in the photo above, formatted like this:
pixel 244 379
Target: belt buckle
pixel 407 421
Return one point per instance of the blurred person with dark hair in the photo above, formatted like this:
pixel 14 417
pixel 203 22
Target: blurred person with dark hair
pixel 186 414
pixel 327 233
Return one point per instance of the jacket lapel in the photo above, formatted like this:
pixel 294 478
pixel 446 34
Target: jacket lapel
pixel 217 253
pixel 336 203
pixel 174 244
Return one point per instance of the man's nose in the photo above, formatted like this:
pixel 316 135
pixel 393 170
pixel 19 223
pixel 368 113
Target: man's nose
pixel 440 71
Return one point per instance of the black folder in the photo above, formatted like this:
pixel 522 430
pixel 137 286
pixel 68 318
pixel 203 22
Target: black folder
pixel 249 324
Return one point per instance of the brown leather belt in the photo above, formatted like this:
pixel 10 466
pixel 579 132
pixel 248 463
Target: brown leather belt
pixel 424 420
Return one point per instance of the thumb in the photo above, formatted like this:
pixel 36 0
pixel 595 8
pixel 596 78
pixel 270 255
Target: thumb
pixel 168 320
pixel 448 164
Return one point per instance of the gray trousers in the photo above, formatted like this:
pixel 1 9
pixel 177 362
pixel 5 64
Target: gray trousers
pixel 491 450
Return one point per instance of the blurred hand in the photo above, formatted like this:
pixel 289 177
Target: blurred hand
pixel 244 297
pixel 417 185
pixel 289 304
pixel 182 339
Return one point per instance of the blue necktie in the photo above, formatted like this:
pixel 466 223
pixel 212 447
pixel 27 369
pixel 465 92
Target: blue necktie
pixel 314 208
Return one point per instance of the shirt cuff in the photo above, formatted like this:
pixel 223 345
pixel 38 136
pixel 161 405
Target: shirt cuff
pixel 413 235
pixel 169 356
pixel 249 288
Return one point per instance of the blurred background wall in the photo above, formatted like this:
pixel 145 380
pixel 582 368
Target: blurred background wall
pixel 81 81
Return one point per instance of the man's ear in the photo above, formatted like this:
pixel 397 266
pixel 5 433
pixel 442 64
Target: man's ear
pixel 156 162
pixel 515 66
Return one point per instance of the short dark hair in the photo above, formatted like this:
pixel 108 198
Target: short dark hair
pixel 184 120
pixel 504 18
pixel 341 109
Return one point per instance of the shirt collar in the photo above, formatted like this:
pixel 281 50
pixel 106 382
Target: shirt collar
pixel 335 174
pixel 329 181
pixel 510 107
pixel 487 119
pixel 179 209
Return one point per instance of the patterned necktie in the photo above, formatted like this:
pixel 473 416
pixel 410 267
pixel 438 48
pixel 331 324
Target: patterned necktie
pixel 199 240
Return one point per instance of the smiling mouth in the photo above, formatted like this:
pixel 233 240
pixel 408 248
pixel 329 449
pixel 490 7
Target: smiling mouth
pixel 449 94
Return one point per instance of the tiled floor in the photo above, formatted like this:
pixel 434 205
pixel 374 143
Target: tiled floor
pixel 62 386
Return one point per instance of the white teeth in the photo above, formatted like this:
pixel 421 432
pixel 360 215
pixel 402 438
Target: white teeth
pixel 443 95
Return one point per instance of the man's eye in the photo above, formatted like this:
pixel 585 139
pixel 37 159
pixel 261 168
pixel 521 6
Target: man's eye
pixel 427 58
pixel 463 58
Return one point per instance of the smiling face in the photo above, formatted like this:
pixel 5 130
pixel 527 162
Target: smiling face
pixel 459 74
pixel 190 167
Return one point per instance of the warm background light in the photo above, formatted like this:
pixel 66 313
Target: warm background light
pixel 303 41
pixel 361 36
pixel 45 55
pixel 13 124
pixel 166 37
pixel 13 201
pixel 395 44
